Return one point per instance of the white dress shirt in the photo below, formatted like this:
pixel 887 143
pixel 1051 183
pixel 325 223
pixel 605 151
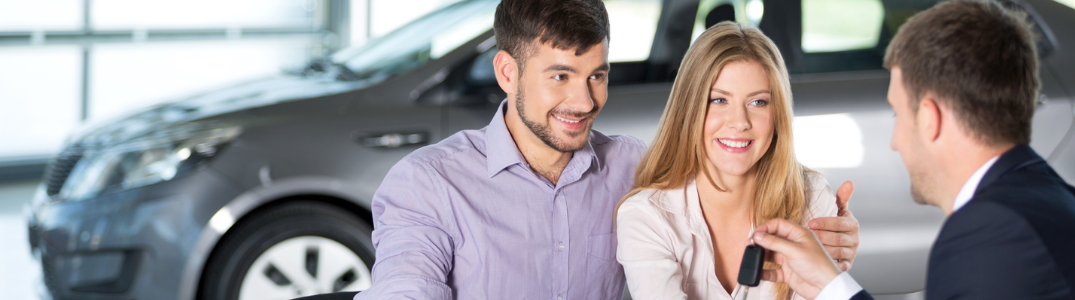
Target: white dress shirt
pixel 666 249
pixel 967 192
pixel 843 287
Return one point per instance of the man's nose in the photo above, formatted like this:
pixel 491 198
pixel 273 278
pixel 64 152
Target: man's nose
pixel 580 97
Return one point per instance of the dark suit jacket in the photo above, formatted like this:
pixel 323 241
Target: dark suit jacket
pixel 1015 239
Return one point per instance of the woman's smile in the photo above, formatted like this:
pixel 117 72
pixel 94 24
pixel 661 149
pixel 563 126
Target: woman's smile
pixel 735 145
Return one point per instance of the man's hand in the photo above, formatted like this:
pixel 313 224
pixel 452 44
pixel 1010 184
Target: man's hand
pixel 803 263
pixel 839 234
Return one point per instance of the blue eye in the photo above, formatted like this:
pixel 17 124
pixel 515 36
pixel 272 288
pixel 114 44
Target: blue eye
pixel 759 102
pixel 718 101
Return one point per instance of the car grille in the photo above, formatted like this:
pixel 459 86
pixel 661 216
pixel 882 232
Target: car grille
pixel 48 277
pixel 60 167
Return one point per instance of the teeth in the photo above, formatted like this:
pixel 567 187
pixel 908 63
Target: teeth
pixel 734 144
pixel 566 120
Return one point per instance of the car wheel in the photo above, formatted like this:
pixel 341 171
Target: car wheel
pixel 291 250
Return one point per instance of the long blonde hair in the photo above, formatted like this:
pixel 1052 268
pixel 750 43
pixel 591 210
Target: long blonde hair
pixel 677 153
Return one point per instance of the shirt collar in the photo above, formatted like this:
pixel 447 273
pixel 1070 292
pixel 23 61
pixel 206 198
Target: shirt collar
pixel 967 192
pixel 502 152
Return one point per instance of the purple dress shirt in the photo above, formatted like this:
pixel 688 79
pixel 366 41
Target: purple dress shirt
pixel 467 218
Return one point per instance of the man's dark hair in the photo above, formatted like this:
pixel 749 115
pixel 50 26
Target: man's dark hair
pixel 570 24
pixel 978 59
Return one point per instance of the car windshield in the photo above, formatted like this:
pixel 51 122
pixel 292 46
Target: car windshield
pixel 418 42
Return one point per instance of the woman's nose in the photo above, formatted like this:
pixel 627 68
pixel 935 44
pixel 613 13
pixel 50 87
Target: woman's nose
pixel 738 119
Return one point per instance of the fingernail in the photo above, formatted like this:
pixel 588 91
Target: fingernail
pixel 813 224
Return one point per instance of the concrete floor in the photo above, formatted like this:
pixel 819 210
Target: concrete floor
pixel 19 272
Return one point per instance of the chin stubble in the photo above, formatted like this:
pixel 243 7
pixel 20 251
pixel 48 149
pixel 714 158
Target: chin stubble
pixel 544 131
pixel 918 189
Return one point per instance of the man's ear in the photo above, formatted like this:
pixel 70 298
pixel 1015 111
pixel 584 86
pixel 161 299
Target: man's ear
pixel 507 72
pixel 929 119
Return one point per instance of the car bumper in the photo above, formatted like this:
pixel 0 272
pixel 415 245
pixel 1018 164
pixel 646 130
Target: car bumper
pixel 132 244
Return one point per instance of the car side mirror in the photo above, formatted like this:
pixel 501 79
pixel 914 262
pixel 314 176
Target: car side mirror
pixel 435 90
pixel 473 83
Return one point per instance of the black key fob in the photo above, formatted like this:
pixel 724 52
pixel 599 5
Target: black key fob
pixel 750 269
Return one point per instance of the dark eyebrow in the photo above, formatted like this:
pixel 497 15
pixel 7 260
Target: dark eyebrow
pixel 559 67
pixel 748 95
pixel 603 68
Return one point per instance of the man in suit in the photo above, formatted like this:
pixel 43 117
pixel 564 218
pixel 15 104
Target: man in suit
pixel 964 79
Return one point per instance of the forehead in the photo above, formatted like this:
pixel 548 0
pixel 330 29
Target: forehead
pixel 742 75
pixel 895 83
pixel 546 54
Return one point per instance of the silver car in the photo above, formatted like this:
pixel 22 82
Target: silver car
pixel 262 190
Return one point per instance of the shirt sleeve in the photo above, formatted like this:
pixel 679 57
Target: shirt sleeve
pixel 823 200
pixel 412 225
pixel 843 287
pixel 651 269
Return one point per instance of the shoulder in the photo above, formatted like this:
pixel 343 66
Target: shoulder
pixel 466 141
pixel 643 217
pixel 982 218
pixel 820 196
pixel 642 202
pixel 984 226
pixel 998 246
pixel 617 144
pixel 651 203
pixel 1043 201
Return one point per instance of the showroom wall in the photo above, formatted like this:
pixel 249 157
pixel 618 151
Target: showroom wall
pixel 65 63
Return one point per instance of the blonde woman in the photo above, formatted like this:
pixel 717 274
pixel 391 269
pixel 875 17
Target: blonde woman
pixel 722 163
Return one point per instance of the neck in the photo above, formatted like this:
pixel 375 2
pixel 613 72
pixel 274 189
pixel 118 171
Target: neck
pixel 959 166
pixel 737 197
pixel 544 160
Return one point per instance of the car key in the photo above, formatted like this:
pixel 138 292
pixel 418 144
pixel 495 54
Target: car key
pixel 750 269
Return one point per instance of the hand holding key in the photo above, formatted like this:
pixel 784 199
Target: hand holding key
pixel 804 265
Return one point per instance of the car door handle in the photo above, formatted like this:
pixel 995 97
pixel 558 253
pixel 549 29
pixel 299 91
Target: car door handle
pixel 393 139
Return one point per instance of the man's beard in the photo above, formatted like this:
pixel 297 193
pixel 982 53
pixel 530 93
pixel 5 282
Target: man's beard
pixel 918 196
pixel 919 190
pixel 544 131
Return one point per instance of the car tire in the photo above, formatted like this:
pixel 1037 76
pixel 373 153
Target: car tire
pixel 290 250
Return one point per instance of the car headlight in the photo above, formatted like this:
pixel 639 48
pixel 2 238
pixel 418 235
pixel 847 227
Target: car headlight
pixel 143 162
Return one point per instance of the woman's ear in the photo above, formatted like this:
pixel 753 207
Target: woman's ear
pixel 507 72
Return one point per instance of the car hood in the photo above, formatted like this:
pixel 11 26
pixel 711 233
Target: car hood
pixel 178 115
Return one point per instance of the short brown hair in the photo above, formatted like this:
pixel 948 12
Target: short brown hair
pixel 571 24
pixel 978 59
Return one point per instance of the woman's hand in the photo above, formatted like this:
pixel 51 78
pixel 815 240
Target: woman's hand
pixel 840 234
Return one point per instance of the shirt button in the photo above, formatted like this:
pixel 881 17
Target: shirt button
pixel 561 247
pixel 558 297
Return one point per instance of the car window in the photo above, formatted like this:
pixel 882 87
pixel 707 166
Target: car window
pixel 842 35
pixel 634 23
pixel 841 25
pixel 481 69
pixel 813 36
pixel 418 42
pixel 711 12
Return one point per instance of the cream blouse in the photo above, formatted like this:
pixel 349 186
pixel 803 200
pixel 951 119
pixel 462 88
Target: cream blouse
pixel 666 250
